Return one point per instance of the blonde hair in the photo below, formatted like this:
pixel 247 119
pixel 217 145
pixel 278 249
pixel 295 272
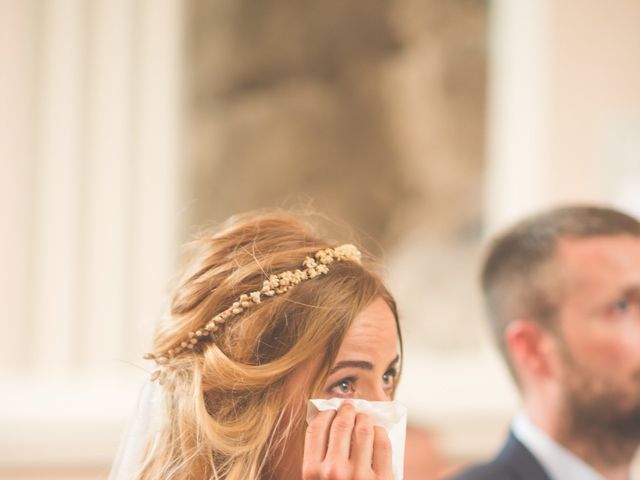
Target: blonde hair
pixel 228 412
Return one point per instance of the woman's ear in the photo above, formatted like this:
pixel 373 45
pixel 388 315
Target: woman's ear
pixel 530 348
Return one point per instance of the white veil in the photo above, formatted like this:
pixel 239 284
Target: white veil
pixel 143 425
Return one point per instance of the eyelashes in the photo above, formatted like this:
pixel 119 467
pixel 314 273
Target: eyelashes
pixel 347 386
pixel 392 372
pixel 347 383
pixel 622 306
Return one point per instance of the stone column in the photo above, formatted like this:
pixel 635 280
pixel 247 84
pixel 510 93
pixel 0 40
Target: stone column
pixel 518 169
pixel 18 39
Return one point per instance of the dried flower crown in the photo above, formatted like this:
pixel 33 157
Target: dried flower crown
pixel 276 284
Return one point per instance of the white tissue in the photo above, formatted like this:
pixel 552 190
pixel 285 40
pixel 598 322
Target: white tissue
pixel 389 415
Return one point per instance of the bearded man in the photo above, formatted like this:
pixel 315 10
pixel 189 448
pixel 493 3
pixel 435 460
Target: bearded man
pixel 562 291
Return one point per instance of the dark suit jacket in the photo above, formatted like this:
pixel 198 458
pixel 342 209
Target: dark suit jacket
pixel 514 462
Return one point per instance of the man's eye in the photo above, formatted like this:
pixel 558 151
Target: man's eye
pixel 622 305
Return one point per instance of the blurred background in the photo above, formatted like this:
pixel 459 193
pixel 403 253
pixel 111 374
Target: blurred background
pixel 424 125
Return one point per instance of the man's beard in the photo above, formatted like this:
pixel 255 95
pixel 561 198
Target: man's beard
pixel 599 414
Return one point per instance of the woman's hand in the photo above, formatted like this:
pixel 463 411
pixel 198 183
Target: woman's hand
pixel 344 445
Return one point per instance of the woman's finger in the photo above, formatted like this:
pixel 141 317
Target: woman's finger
pixel 339 446
pixel 381 453
pixel 317 436
pixel 362 443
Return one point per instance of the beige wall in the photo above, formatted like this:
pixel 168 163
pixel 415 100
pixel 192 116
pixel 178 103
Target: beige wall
pixel 594 102
pixel 53 474
pixel 564 119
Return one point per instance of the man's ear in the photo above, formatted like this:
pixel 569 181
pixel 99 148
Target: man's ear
pixel 529 347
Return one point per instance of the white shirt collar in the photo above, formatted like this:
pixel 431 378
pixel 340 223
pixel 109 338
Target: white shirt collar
pixel 558 462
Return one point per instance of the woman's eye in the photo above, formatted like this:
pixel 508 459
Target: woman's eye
pixel 342 387
pixel 389 377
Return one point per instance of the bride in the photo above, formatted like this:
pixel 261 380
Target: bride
pixel 266 316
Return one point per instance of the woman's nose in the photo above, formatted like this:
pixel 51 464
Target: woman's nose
pixel 379 394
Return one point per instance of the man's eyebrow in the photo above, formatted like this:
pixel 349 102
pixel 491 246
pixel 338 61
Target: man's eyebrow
pixel 632 291
pixel 629 292
pixel 361 364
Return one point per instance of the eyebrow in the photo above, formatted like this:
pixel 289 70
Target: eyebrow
pixel 361 364
pixel 631 291
pixel 628 292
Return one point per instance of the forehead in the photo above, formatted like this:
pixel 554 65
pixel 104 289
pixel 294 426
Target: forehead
pixel 372 336
pixel 599 261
